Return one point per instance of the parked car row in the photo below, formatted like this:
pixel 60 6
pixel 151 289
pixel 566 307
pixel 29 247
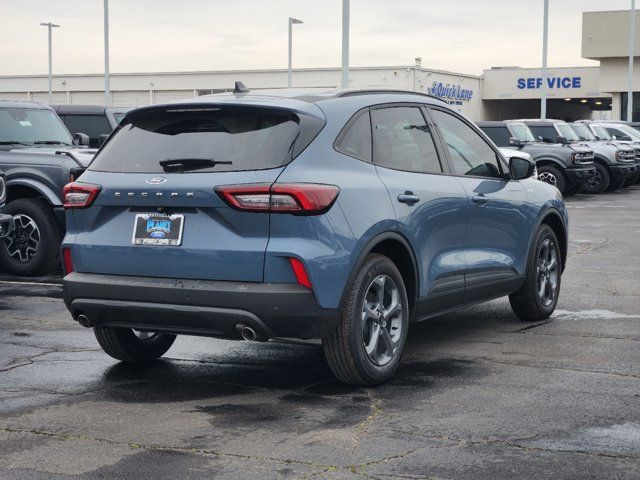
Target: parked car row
pixel 584 156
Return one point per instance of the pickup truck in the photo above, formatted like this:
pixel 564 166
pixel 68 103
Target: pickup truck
pixel 39 157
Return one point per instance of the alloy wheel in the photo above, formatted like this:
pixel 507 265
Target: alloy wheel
pixel 24 241
pixel 548 177
pixel 547 272
pixel 144 336
pixel 381 320
pixel 593 181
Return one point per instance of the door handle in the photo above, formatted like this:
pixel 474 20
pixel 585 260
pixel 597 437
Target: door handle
pixel 480 200
pixel 408 197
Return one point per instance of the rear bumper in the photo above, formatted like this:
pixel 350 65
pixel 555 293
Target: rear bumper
pixel 6 225
pixel 622 171
pixel 579 174
pixel 197 307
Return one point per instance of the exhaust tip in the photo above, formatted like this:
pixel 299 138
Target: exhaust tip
pixel 248 333
pixel 83 320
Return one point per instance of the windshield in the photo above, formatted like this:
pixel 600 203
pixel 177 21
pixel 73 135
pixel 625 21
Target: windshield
pixel 583 132
pixel 566 131
pixel 30 126
pixel 521 132
pixel 601 132
pixel 217 139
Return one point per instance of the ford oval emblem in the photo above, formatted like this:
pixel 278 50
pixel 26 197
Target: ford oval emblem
pixel 156 180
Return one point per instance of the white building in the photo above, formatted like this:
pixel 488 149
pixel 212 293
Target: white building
pixel 139 89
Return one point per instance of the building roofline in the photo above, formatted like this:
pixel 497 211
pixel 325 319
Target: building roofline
pixel 246 71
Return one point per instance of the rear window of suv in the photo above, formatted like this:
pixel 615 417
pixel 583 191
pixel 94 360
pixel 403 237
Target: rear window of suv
pixel 237 138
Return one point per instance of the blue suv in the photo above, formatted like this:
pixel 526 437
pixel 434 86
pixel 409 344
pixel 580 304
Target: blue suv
pixel 342 215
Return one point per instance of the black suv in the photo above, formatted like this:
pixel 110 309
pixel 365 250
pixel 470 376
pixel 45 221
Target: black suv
pixel 565 166
pixel 39 157
pixel 93 120
pixel 614 164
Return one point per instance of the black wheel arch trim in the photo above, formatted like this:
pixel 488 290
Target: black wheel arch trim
pixel 552 211
pixel 543 161
pixel 368 248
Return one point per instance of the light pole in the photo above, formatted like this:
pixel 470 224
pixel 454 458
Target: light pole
pixel 345 43
pixel 49 26
pixel 545 37
pixel 107 89
pixel 292 21
pixel 632 42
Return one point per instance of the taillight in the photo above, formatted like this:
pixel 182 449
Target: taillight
pixel 80 195
pixel 295 198
pixel 67 261
pixel 300 272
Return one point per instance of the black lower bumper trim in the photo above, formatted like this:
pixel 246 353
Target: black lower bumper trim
pixel 622 172
pixel 197 307
pixel 579 174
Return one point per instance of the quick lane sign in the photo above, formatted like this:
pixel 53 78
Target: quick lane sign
pixel 533 83
pixel 452 94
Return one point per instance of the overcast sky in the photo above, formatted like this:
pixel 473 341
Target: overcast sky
pixel 171 35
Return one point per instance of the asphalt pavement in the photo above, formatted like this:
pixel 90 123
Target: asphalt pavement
pixel 479 394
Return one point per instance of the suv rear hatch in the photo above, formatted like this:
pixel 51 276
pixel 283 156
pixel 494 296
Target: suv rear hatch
pixel 157 212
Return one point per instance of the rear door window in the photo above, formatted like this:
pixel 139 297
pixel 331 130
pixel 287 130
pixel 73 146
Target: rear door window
pixel 238 138
pixel 402 140
pixel 355 141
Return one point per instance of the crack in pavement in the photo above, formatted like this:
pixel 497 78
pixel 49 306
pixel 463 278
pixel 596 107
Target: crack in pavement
pixel 514 444
pixel 176 448
pixel 375 410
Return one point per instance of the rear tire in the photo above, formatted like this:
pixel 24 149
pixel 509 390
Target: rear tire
pixel 33 248
pixel 598 182
pixel 537 298
pixel 366 346
pixel 123 344
pixel 552 176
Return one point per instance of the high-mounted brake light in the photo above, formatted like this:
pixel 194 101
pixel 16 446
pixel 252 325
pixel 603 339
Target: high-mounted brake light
pixel 80 195
pixel 295 198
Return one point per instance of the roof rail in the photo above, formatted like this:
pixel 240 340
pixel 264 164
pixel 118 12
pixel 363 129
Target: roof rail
pixel 377 91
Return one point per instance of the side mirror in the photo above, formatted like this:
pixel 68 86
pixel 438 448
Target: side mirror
pixel 562 140
pixel 102 138
pixel 521 168
pixel 515 142
pixel 540 139
pixel 81 139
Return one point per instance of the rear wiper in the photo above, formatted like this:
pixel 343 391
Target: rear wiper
pixel 11 142
pixel 190 164
pixel 50 142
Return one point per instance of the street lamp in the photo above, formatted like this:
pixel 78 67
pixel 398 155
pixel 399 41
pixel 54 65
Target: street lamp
pixel 545 38
pixel 107 89
pixel 292 21
pixel 632 42
pixel 50 25
pixel 345 43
